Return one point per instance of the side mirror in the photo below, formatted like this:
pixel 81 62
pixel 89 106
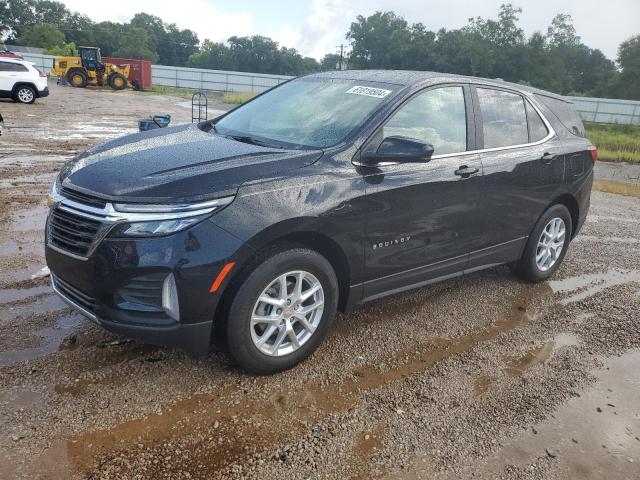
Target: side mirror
pixel 401 150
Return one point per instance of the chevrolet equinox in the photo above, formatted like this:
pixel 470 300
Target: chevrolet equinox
pixel 322 193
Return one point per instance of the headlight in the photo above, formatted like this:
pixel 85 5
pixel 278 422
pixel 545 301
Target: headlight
pixel 144 220
pixel 159 227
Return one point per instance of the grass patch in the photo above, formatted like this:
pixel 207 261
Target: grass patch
pixel 237 98
pixel 627 189
pixel 616 143
pixel 176 92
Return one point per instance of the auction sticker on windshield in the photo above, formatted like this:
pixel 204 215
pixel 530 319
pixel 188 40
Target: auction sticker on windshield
pixel 369 91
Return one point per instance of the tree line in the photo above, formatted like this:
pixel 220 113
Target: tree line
pixel 555 60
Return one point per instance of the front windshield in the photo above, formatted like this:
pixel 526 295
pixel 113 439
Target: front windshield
pixel 306 112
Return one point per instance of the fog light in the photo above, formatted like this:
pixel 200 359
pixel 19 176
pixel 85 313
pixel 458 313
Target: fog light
pixel 170 297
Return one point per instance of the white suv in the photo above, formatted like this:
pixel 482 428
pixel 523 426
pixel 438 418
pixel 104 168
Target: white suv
pixel 21 80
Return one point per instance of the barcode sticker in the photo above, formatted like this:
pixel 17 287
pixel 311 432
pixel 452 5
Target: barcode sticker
pixel 369 91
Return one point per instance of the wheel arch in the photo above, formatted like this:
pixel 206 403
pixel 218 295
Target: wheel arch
pixel 571 203
pixel 270 240
pixel 24 84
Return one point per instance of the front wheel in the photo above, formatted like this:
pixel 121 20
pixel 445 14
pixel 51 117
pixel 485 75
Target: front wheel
pixel 282 311
pixel 77 78
pixel 546 246
pixel 117 81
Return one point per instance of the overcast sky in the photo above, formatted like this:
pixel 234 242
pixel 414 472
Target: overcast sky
pixel 315 27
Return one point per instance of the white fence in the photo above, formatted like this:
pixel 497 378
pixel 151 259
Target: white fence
pixel 602 110
pixel 606 110
pixel 198 78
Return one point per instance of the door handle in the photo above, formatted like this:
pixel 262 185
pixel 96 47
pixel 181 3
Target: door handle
pixel 547 158
pixel 466 172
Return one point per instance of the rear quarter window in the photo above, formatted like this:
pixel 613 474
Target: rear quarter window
pixel 565 112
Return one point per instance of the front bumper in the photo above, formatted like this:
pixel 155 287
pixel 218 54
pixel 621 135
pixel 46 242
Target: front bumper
pixel 119 286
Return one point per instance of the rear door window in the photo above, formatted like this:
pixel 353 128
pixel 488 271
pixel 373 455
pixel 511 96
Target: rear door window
pixel 504 118
pixel 12 67
pixel 437 116
pixel 537 128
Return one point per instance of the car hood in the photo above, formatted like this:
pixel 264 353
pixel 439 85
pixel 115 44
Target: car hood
pixel 176 164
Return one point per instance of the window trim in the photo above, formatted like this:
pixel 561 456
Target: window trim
pixel 475 131
pixel 528 114
pixel 551 132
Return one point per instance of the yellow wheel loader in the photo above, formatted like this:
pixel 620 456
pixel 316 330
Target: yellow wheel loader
pixel 87 69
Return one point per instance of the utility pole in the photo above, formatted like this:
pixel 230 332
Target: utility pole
pixel 341 55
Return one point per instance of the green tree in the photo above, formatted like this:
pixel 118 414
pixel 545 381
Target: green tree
pixel 172 45
pixel 561 32
pixel 42 35
pixel 136 44
pixel 330 61
pixel 214 55
pixel 627 84
pixel 63 50
pixel 109 37
pixel 379 41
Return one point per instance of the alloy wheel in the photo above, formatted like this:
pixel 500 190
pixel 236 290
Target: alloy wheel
pixel 287 313
pixel 25 95
pixel 550 244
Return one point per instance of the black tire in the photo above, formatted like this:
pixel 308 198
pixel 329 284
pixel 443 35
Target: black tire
pixel 117 81
pixel 527 268
pixel 240 345
pixel 77 78
pixel 25 94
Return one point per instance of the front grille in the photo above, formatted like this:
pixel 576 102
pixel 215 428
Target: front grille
pixel 72 233
pixel 76 295
pixel 83 197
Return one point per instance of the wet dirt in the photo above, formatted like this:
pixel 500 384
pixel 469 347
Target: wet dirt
pixel 447 381
pixel 593 436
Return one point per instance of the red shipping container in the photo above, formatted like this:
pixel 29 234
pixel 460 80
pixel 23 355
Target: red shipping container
pixel 140 69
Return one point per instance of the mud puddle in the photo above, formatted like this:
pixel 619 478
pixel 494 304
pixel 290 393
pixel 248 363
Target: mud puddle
pixel 582 287
pixel 519 365
pixel 11 295
pixel 29 219
pixel 594 436
pixel 50 339
pixel 237 420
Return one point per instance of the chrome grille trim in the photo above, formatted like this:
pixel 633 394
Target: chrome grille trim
pixel 108 216
pixel 58 287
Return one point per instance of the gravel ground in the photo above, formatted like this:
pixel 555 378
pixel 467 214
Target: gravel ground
pixel 479 377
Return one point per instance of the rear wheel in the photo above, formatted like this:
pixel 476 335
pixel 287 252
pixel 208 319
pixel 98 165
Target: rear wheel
pixel 117 81
pixel 546 246
pixel 24 94
pixel 77 78
pixel 282 311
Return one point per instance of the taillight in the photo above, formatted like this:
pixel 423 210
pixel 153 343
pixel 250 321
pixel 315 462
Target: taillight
pixel 594 153
pixel 42 74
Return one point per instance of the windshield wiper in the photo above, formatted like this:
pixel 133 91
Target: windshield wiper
pixel 250 140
